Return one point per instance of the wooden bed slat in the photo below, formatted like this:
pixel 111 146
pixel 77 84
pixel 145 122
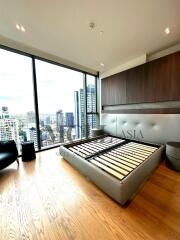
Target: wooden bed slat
pixel 86 149
pixel 77 152
pixel 107 169
pixel 145 146
pixel 116 154
pixel 91 145
pixel 132 153
pixel 98 145
pixel 128 153
pixel 132 156
pixel 117 163
pixel 121 161
pixel 126 157
pixel 141 148
pixel 90 148
pixel 118 169
pixel 136 150
pixel 81 150
pixel 131 161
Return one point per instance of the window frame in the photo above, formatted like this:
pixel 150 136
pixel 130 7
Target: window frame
pixel 35 91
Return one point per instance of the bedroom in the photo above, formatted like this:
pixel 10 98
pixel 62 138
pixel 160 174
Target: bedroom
pixel 90 98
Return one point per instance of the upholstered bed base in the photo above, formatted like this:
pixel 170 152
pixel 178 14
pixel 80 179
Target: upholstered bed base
pixel 119 190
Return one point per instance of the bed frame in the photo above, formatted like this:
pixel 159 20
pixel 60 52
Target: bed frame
pixel 118 166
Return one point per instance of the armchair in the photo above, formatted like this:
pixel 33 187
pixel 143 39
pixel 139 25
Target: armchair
pixel 8 153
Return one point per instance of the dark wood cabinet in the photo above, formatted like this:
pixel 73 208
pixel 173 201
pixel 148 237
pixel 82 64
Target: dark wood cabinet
pixel 135 84
pixel 114 89
pixel 157 84
pixel 175 77
pixel 155 81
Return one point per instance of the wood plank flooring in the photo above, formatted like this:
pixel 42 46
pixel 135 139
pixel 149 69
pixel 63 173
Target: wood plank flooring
pixel 49 199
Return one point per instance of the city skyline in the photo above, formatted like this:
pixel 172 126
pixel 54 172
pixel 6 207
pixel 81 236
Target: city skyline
pixel 90 104
pixel 66 126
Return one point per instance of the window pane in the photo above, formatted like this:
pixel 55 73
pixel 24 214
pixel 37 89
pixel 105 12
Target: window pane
pixel 91 93
pixel 17 117
pixel 91 122
pixel 61 103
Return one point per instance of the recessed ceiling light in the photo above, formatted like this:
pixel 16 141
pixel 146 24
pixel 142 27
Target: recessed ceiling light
pixel 20 27
pixel 102 64
pixel 167 30
pixel 17 26
pixel 23 29
pixel 101 32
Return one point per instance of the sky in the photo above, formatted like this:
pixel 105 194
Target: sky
pixel 56 85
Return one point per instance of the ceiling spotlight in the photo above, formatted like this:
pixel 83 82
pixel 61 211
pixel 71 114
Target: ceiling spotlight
pixel 101 32
pixel 17 26
pixel 167 30
pixel 102 64
pixel 20 27
pixel 23 29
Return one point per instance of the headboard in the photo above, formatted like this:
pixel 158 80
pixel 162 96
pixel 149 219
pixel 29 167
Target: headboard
pixel 152 128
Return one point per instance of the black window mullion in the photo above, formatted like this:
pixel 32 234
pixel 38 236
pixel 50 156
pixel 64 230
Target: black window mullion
pixel 36 103
pixel 97 107
pixel 96 89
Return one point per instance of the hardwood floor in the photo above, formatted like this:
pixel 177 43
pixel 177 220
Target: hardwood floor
pixel 48 199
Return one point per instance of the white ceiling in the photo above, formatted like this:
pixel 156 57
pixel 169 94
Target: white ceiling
pixel 61 27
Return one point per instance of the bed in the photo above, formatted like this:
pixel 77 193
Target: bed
pixel 116 165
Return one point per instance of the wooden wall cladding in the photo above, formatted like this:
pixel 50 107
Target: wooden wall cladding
pixel 135 84
pixel 175 76
pixel 114 89
pixel 155 81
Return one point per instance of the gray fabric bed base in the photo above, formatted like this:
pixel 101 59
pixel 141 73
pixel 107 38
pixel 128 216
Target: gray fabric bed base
pixel 120 191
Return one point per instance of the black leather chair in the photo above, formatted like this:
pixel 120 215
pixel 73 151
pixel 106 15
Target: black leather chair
pixel 8 153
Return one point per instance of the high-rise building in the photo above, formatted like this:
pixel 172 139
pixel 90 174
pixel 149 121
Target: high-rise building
pixel 32 136
pixel 91 107
pixel 81 113
pixel 91 98
pixel 60 125
pixel 69 125
pixel 76 115
pixel 30 116
pixel 91 122
pixel 69 118
pixel 9 130
pixel 47 120
pixel 42 124
pixel 5 112
pixel 79 110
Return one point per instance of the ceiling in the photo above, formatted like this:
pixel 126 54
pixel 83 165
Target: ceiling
pixel 61 27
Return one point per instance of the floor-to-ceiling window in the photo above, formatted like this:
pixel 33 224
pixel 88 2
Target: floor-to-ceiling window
pixel 17 116
pixel 43 102
pixel 61 103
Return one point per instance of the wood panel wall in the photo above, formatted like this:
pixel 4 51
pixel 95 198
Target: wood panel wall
pixel 155 81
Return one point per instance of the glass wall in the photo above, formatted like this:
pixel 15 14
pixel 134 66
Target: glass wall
pixel 17 116
pixel 61 103
pixel 65 103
